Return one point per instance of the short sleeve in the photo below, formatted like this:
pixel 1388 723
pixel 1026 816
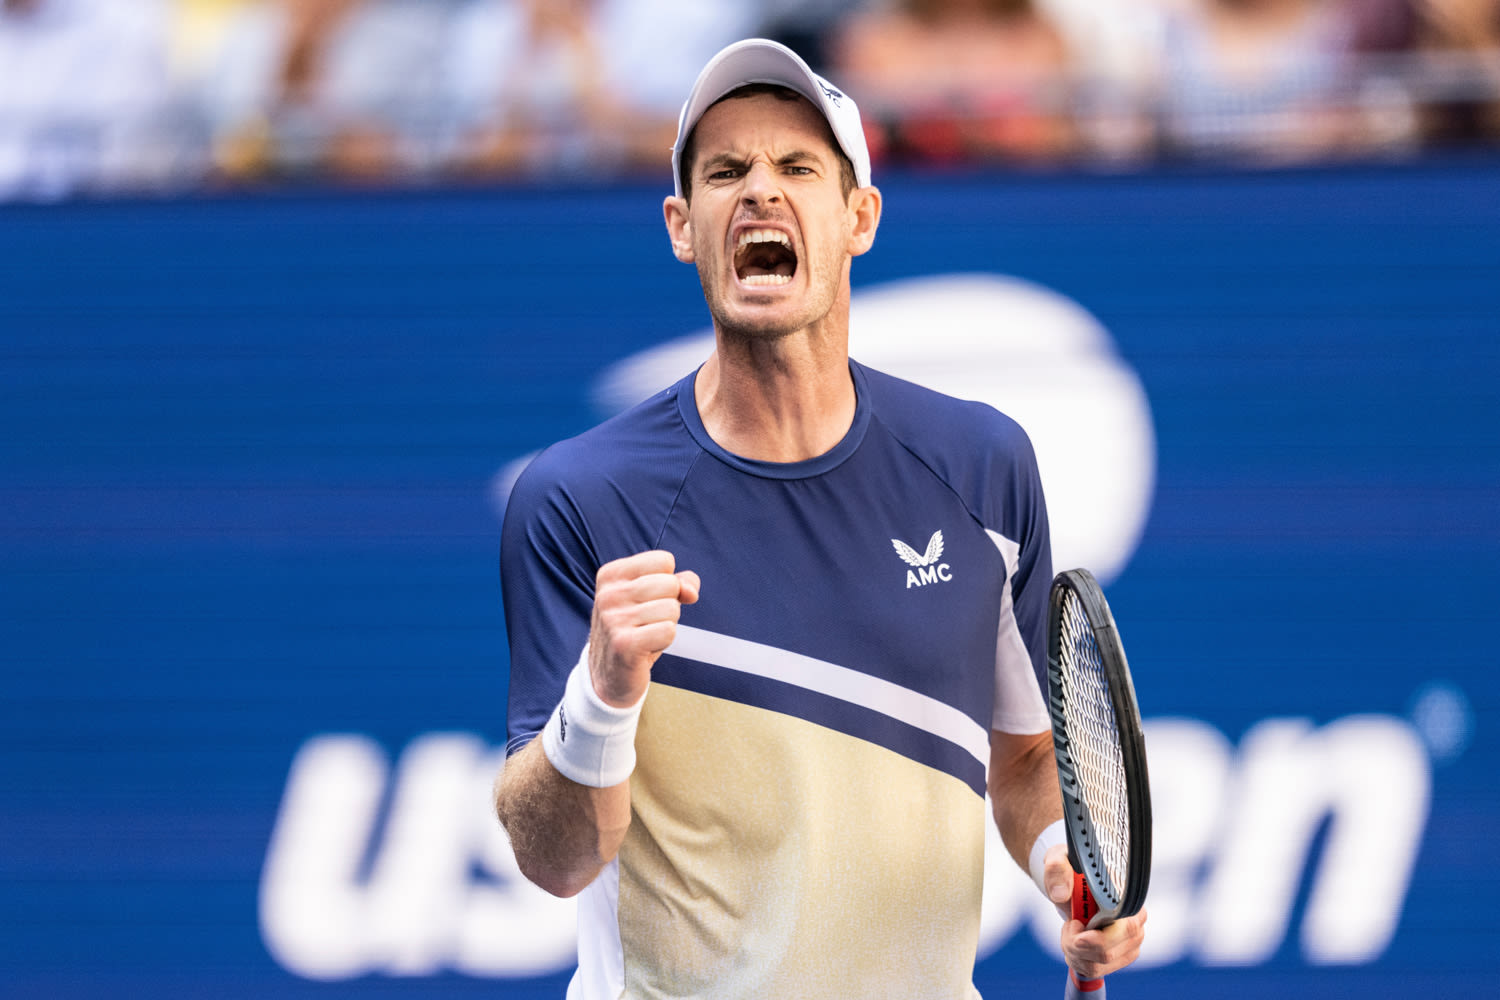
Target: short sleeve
pixel 1021 645
pixel 547 572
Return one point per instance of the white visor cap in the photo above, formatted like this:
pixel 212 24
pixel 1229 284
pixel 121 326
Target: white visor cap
pixel 760 60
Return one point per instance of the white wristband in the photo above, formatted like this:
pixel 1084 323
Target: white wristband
pixel 587 740
pixel 1054 834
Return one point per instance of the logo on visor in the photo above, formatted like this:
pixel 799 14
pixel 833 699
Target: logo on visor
pixel 833 95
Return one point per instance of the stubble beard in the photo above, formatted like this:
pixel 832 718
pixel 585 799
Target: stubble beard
pixel 733 325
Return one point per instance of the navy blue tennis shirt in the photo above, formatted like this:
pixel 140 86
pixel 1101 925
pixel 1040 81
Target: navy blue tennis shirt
pixel 813 747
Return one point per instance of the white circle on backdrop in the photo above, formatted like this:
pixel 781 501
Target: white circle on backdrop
pixel 1032 353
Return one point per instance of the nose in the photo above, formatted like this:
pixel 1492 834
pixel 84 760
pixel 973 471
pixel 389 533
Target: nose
pixel 762 184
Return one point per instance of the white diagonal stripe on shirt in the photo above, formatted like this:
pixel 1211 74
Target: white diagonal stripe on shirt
pixel 899 703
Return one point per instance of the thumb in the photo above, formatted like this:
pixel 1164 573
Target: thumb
pixel 689 585
pixel 1057 874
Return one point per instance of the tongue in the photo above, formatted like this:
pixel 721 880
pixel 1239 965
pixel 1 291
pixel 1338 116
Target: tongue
pixel 768 259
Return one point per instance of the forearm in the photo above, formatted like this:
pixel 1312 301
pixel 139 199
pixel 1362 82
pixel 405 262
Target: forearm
pixel 565 797
pixel 563 833
pixel 1023 790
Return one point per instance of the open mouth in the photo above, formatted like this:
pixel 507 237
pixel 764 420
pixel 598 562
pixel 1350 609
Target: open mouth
pixel 765 257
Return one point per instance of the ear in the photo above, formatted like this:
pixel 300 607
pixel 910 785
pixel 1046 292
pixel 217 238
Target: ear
pixel 679 229
pixel 864 207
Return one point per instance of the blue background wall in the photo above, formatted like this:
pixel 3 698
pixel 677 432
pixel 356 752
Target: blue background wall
pixel 244 501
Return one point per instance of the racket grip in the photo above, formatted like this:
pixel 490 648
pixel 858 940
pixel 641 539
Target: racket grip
pixel 1083 909
pixel 1083 989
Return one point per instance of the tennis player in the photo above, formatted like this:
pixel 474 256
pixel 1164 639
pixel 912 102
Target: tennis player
pixel 775 631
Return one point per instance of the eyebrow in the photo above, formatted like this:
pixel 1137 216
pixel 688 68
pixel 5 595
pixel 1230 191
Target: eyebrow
pixel 786 159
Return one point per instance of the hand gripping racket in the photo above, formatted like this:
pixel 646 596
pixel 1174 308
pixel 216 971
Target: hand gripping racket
pixel 1101 759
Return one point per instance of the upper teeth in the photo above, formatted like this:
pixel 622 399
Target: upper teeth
pixel 764 236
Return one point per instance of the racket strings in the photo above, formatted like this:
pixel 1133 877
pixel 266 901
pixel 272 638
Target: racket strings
pixel 1093 736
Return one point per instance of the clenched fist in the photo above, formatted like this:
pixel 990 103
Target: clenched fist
pixel 637 603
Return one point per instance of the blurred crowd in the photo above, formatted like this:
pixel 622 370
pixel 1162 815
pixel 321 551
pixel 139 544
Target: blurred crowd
pixel 147 95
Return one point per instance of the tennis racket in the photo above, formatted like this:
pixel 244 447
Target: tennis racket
pixel 1101 760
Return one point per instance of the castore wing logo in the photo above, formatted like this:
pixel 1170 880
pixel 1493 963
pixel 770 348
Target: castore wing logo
pixel 925 567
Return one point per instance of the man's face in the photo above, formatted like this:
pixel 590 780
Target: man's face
pixel 768 226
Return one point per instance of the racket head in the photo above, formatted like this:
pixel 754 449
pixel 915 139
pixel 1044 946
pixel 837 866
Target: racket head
pixel 1099 746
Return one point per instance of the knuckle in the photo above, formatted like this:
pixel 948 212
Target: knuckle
pixel 611 571
pixel 607 593
pixel 654 561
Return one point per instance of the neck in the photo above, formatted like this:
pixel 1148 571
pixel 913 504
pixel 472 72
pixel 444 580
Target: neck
pixel 783 400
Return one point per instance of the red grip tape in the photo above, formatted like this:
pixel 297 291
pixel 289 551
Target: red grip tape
pixel 1084 907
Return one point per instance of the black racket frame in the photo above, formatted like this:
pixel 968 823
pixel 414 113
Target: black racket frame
pixel 1114 902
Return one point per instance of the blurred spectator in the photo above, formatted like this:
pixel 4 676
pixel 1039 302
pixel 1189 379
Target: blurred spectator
pixel 804 26
pixel 1381 27
pixel 948 80
pixel 1260 79
pixel 527 76
pixel 1460 44
pixel 101 95
pixel 1116 48
pixel 1383 34
pixel 83 89
pixel 198 35
pixel 539 85
pixel 348 86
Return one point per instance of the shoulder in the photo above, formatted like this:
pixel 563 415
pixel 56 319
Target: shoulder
pixel 982 454
pixel 929 421
pixel 621 463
